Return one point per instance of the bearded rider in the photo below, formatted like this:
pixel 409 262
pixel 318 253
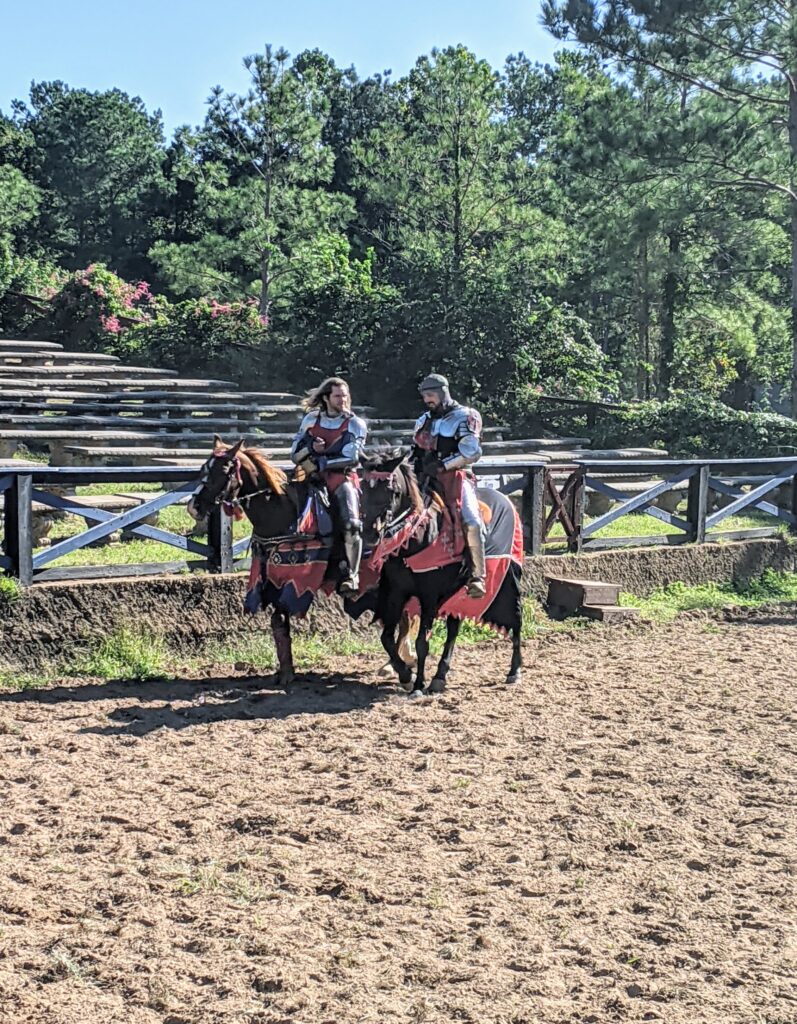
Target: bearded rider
pixel 447 442
pixel 329 446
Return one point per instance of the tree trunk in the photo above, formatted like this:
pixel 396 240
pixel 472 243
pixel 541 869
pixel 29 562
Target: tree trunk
pixel 643 323
pixel 667 353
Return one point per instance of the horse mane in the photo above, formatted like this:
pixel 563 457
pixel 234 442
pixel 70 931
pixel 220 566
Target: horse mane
pixel 273 477
pixel 413 490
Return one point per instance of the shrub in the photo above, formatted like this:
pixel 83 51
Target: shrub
pixel 695 426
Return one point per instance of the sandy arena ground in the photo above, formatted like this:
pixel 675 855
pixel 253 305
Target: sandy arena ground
pixel 612 841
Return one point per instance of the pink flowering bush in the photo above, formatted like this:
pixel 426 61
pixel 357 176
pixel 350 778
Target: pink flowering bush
pixel 94 307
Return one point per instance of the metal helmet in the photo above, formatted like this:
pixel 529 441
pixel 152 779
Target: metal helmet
pixel 436 382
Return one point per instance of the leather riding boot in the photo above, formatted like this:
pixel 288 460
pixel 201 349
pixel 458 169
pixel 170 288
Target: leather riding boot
pixel 353 550
pixel 477 583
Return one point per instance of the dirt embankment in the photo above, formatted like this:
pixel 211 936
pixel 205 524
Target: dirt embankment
pixel 614 840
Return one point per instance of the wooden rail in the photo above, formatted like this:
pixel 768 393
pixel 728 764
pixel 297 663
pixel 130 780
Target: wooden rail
pixel 551 494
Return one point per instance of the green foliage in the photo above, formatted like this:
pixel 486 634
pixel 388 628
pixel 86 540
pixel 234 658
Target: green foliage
pixel 125 654
pixel 261 172
pixel 10 590
pixel 584 228
pixel 96 157
pixel 214 338
pixel 695 426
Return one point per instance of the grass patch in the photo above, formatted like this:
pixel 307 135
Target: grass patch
pixel 666 602
pixel 639 524
pixel 13 680
pixel 10 590
pixel 124 654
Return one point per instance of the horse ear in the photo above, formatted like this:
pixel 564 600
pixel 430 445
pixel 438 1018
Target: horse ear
pixel 232 452
pixel 217 442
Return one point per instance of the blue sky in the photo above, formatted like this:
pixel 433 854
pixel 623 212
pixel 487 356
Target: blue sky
pixel 170 53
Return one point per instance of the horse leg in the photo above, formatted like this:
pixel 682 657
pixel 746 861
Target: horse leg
pixel 281 629
pixel 438 684
pixel 405 644
pixel 517 660
pixel 401 668
pixel 422 648
pixel 408 631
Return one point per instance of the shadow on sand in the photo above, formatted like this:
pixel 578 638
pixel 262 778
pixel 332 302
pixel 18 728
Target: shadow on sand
pixel 204 701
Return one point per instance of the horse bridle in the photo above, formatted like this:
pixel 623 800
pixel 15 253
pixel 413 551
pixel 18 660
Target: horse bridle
pixel 390 523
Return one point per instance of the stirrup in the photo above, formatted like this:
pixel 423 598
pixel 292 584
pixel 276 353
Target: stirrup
pixel 476 588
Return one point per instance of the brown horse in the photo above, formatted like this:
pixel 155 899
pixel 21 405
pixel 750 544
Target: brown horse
pixel 243 478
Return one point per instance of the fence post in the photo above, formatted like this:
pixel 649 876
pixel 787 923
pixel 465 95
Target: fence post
pixel 697 504
pixel 220 541
pixel 578 502
pixel 793 503
pixel 18 528
pixel 534 508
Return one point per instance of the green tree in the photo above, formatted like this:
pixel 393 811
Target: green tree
pixel 735 62
pixel 264 211
pixel 97 159
pixel 453 206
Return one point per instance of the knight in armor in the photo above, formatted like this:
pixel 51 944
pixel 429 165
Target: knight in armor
pixel 328 447
pixel 447 442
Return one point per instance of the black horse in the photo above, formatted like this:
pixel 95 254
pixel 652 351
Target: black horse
pixel 390 497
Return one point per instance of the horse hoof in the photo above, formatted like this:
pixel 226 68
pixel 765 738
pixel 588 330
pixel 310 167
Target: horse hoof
pixel 286 677
pixel 437 686
pixel 513 678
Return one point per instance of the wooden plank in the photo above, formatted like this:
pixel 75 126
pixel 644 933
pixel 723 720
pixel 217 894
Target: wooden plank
pixel 99 572
pixel 723 487
pixel 99 515
pixel 751 498
pixel 608 612
pixel 30 344
pixel 697 504
pixel 116 522
pixel 752 534
pixel 24 357
pixel 636 502
pixel 220 541
pixel 240 547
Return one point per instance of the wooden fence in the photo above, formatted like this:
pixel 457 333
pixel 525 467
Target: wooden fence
pixel 22 487
pixel 550 494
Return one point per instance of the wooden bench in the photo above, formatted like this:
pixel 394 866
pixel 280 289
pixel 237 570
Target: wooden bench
pixel 129 386
pixel 88 455
pixel 26 358
pixel 30 345
pixel 84 370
